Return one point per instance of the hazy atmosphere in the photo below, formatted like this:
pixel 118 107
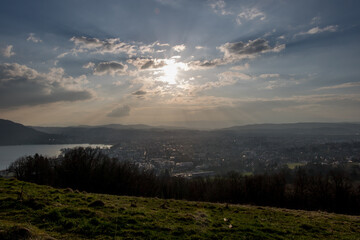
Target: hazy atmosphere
pixel 202 64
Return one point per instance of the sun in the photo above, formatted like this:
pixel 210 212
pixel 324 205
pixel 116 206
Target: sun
pixel 170 72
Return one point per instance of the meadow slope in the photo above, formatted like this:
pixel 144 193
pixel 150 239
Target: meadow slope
pixel 30 211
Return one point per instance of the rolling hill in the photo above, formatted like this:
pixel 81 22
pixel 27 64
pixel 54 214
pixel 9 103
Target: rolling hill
pixel 15 133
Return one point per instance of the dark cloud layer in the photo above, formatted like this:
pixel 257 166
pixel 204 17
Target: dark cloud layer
pixel 237 51
pixel 23 86
pixel 111 68
pixel 152 64
pixel 147 63
pixel 111 45
pixel 204 64
pixel 256 46
pixel 139 93
pixel 240 50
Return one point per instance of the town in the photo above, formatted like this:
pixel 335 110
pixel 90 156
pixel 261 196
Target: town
pixel 193 157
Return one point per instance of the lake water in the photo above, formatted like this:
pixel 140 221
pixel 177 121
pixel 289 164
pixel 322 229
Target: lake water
pixel 9 154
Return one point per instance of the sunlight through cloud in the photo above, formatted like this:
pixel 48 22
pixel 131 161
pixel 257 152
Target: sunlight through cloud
pixel 170 72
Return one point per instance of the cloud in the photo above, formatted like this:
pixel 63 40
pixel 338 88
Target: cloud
pixel 317 30
pixel 205 64
pixel 90 43
pixel 250 14
pixel 294 109
pixel 179 48
pixel 111 45
pixel 236 51
pixel 24 86
pixel 146 49
pixel 224 79
pixel 275 80
pixel 150 48
pixel 247 109
pixel 139 93
pixel 89 65
pixel 343 85
pixel 315 20
pixel 34 39
pixel 270 75
pixel 199 47
pixel 241 50
pixel 63 54
pixel 162 44
pixel 147 63
pixel 121 111
pixel 8 51
pixel 229 76
pixel 218 7
pixel 275 84
pixel 240 67
pixel 111 68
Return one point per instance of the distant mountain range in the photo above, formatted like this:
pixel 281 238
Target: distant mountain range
pixel 61 130
pixel 15 133
pixel 300 128
pixel 57 130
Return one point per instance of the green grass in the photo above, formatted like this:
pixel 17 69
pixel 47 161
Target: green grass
pixel 294 165
pixel 45 213
pixel 247 174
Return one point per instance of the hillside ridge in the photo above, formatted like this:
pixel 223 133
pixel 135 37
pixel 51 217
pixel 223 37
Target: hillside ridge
pixel 15 133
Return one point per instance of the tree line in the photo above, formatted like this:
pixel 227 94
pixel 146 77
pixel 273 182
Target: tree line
pixel 88 169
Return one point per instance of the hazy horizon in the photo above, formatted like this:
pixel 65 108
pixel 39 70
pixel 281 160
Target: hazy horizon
pixel 200 125
pixel 193 125
pixel 196 64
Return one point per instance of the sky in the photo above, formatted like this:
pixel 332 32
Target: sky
pixel 198 64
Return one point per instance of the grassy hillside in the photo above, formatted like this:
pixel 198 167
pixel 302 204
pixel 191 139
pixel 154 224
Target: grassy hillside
pixel 30 211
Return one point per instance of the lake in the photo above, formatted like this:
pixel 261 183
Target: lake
pixel 9 154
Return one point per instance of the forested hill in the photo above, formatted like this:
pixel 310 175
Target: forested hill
pixel 14 133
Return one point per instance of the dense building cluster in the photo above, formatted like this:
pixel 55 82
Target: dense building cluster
pixel 193 157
